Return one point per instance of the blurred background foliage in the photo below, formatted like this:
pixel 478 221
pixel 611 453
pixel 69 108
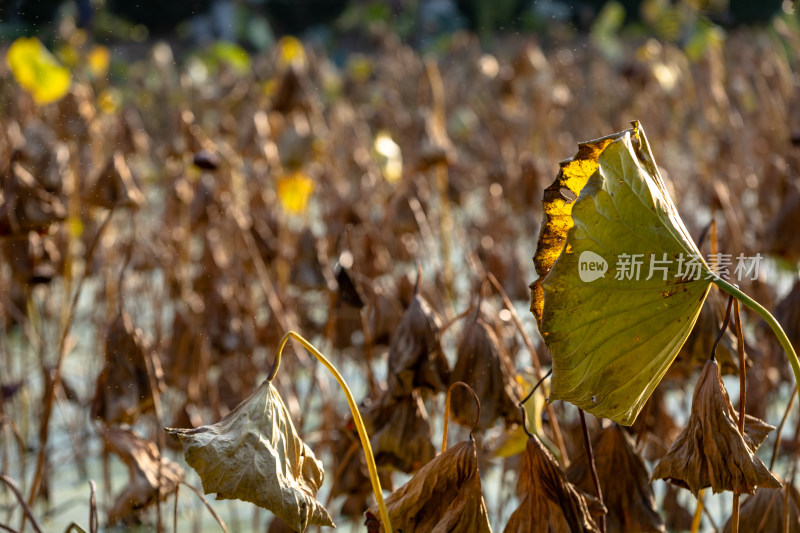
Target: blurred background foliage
pixel 255 24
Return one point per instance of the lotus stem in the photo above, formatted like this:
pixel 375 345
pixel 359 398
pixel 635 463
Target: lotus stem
pixel 768 318
pixel 362 432
pixel 698 512
pixel 447 411
pixel 587 442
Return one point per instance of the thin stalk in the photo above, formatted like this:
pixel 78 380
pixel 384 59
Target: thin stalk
pixel 25 508
pixel 92 507
pixel 779 431
pixel 205 501
pixel 742 400
pixel 537 365
pixel 587 442
pixel 362 432
pixel 69 315
pixel 698 512
pixel 447 411
pixel 768 318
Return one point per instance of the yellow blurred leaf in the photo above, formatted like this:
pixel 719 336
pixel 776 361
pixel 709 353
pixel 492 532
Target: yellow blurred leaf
pixel 98 60
pixel 291 52
pixel 294 191
pixel 37 71
pixel 109 101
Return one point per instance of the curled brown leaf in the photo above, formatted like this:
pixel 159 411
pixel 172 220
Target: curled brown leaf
pixel 710 451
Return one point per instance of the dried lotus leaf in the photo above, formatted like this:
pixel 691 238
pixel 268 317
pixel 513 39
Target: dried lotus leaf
pixel 623 480
pixel 710 451
pixel 415 354
pixel 254 454
pixel 444 496
pixel 548 501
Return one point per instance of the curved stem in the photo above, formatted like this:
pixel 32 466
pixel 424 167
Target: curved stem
pixel 362 432
pixel 447 411
pixel 770 320
pixel 587 442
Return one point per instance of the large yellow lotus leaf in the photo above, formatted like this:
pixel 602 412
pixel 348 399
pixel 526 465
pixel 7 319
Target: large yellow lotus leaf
pixel 254 454
pixel 37 71
pixel 613 331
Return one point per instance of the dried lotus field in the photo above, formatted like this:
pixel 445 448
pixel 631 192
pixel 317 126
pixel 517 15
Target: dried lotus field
pixel 397 290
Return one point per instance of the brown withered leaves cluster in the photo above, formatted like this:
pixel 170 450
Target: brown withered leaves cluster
pixel 710 451
pixel 624 482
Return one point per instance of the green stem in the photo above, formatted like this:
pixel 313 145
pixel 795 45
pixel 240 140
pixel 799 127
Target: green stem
pixel 362 432
pixel 767 316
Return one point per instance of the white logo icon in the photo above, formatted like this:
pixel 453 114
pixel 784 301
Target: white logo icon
pixel 591 266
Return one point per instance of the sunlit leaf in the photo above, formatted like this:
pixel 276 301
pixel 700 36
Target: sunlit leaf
pixel 254 454
pixel 37 71
pixel 294 191
pixel 613 331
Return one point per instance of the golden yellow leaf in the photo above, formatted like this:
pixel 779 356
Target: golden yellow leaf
pixel 37 71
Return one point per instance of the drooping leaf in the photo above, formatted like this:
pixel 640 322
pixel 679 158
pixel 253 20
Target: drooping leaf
pixel 415 353
pixel 710 451
pixel 548 501
pixel 484 365
pixel 444 496
pixel 254 454
pixel 400 433
pixel 123 391
pixel 37 71
pixel 623 480
pixel 613 339
pixel 145 464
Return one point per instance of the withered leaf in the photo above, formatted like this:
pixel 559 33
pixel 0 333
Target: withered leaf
pixel 115 186
pixel 401 433
pixel 415 354
pixel 254 454
pixel 142 459
pixel 766 511
pixel 123 391
pixel 484 365
pixel 24 205
pixel 623 480
pixel 549 502
pixel 710 452
pixel 444 496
